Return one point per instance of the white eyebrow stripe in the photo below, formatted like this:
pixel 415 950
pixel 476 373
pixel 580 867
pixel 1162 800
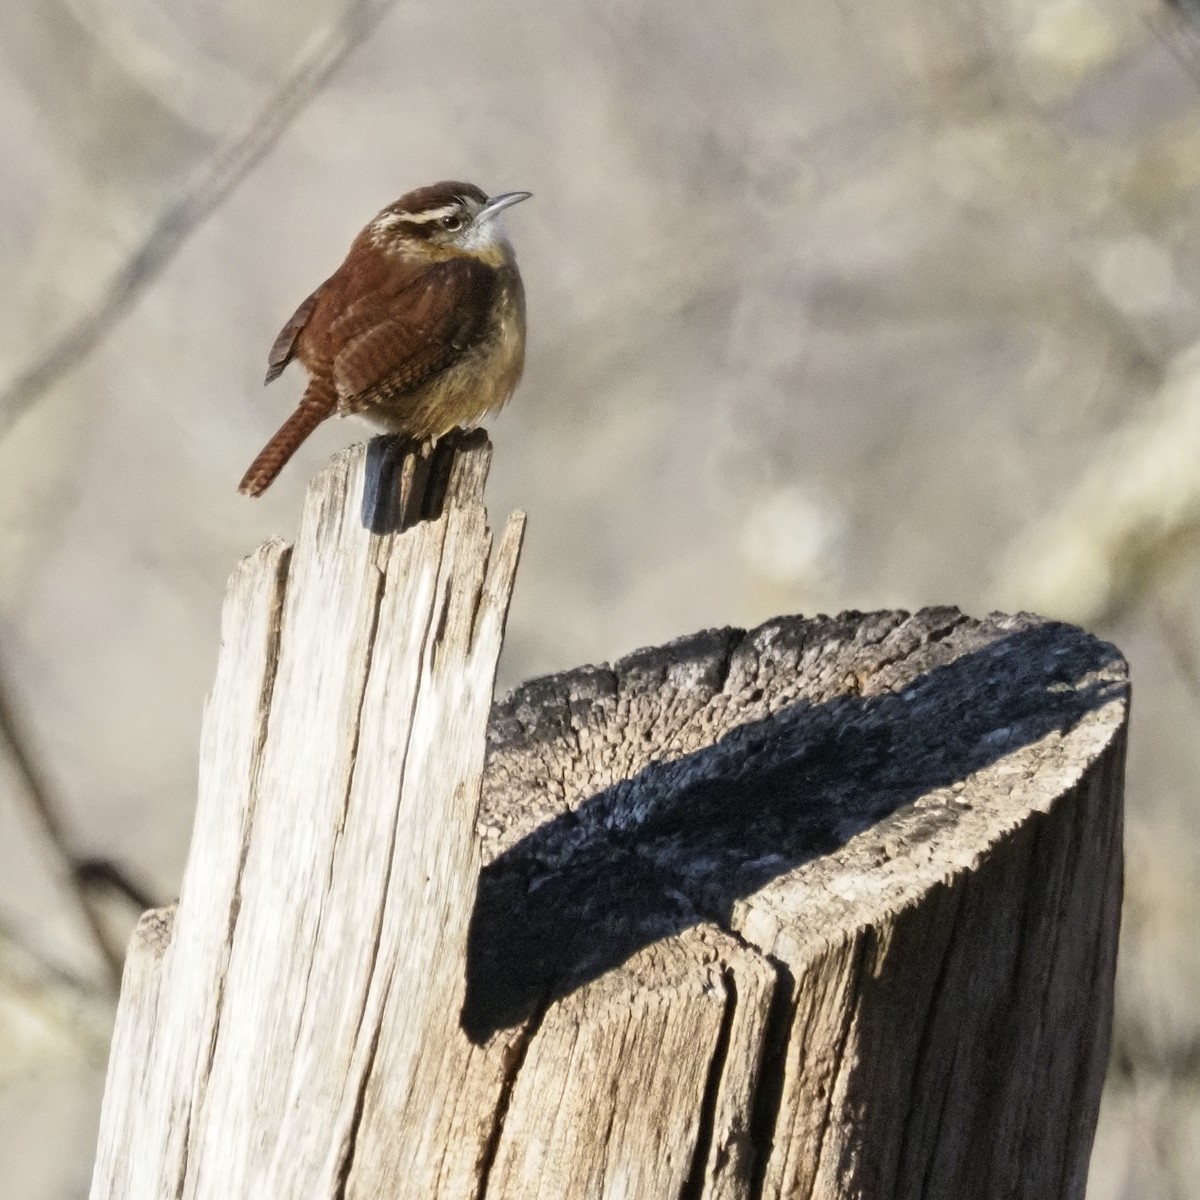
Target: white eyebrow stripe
pixel 430 214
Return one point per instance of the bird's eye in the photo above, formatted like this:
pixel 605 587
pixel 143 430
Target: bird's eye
pixel 452 223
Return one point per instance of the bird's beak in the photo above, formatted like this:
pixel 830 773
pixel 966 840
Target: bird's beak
pixel 497 204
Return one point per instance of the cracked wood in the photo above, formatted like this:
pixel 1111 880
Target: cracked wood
pixel 896 841
pixel 823 909
pixel 333 865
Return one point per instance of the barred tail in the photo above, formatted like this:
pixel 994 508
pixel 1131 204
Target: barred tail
pixel 316 404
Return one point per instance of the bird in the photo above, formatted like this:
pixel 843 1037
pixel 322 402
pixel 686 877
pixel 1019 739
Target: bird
pixel 420 330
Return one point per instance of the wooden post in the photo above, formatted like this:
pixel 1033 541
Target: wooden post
pixel 826 909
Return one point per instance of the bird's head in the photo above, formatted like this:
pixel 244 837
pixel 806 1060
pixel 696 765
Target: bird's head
pixel 445 220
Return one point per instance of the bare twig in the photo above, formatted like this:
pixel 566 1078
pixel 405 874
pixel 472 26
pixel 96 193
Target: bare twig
pixel 103 873
pixel 43 809
pixel 66 1012
pixel 223 173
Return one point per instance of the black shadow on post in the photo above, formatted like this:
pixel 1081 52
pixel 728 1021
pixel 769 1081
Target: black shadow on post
pixel 681 841
pixel 405 481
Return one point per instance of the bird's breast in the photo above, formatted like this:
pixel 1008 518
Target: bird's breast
pixel 479 382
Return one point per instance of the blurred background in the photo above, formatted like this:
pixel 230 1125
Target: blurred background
pixel 831 305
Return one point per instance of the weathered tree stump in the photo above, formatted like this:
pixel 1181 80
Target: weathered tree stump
pixel 826 909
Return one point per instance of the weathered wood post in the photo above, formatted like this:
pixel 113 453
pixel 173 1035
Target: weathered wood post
pixel 825 909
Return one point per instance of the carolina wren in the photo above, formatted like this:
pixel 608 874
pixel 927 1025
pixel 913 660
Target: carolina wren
pixel 421 329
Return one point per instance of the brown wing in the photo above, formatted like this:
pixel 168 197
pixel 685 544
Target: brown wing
pixel 393 341
pixel 284 348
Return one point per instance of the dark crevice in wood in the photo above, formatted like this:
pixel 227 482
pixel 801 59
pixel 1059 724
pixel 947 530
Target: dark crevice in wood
pixel 379 579
pixel 478 594
pixel 772 1074
pixel 514 1061
pixel 767 1099
pixel 441 621
pixel 864 944
pixel 1101 965
pixel 694 1185
pixel 271 668
pixel 266 694
pixel 1104 953
pixel 1072 824
pixel 418 501
pixel 930 625
pixel 346 1160
pixel 908 1146
pixel 381 909
pixel 497 573
pixel 927 1189
pixel 1062 824
pixel 723 662
pixel 185 1149
pixel 442 462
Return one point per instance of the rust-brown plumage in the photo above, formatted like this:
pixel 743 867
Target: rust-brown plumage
pixel 421 329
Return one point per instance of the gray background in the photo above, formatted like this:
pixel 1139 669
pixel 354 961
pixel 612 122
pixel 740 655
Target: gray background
pixel 831 305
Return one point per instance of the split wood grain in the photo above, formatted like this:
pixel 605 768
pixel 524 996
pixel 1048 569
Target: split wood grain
pixel 824 909
pixel 334 863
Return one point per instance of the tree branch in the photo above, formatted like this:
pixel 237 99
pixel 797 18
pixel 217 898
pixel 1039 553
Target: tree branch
pixel 182 218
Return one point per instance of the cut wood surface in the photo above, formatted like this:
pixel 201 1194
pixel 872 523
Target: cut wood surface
pixel 852 886
pixel 824 909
